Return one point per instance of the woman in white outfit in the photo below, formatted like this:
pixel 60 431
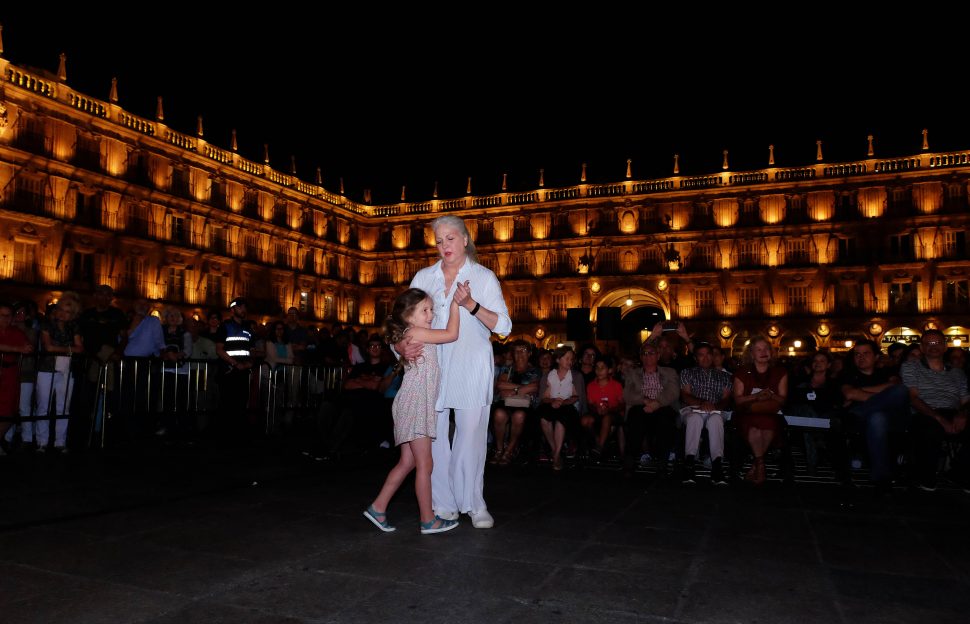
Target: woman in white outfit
pixel 467 369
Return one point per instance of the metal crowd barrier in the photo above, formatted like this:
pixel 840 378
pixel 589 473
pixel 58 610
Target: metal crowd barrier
pixel 140 394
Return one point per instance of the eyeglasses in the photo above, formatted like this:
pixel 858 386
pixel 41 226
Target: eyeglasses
pixel 648 353
pixel 932 343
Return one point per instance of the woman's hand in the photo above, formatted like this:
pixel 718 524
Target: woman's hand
pixel 463 294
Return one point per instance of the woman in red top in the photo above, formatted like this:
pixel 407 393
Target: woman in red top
pixel 604 396
pixel 13 342
pixel 760 388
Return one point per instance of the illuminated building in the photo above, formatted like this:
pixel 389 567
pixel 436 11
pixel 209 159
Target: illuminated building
pixel 819 254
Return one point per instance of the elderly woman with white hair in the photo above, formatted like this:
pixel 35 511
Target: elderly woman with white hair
pixel 467 369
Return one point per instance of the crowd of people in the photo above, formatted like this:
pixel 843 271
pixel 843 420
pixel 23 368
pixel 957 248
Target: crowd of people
pixel 158 373
pixel 895 410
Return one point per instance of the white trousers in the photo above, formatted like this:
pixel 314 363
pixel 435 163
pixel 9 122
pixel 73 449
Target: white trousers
pixel 694 423
pixel 62 386
pixel 458 477
pixel 26 403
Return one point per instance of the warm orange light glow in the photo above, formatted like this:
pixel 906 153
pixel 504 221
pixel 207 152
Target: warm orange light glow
pixel 725 212
pixel 772 208
pixel 928 196
pixel 872 202
pixel 821 205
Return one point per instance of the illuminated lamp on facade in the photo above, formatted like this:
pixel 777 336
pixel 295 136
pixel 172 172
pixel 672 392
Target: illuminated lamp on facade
pixel 595 287
pixel 672 257
pixel 662 285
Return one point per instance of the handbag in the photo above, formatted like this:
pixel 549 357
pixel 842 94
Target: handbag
pixel 517 401
pixel 62 364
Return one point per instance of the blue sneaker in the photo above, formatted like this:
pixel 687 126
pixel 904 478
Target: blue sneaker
pixel 438 525
pixel 379 518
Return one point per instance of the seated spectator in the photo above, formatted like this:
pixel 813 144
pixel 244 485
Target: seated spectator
pixel 705 393
pixel 760 389
pixel 563 395
pixel 654 414
pixel 878 404
pixel 820 396
pixel 604 398
pixel 360 417
pixel 587 362
pixel 938 397
pixel 515 390
pixel 672 341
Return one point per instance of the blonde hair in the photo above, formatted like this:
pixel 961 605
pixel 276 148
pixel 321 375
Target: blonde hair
pixel 172 310
pixel 749 348
pixel 457 224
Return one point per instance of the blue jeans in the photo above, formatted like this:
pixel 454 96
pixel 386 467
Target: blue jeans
pixel 882 413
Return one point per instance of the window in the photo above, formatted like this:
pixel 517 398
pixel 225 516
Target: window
pixel 24 262
pixel 704 299
pixel 797 297
pixel 956 292
pixel 901 247
pixel 520 306
pixel 954 244
pixel 606 261
pixel 252 247
pixel 559 305
pixel 382 273
pixel 282 249
pixel 702 257
pixel 180 182
pixel 749 297
pixel 220 240
pixel 351 310
pixel 629 261
pixel 382 309
pixel 179 233
pixel 796 251
pixel 329 309
pixel 486 261
pixel 132 275
pixel 847 250
pixel 82 267
pixel 215 290
pixel 304 301
pixel 176 284
pixel 902 297
pixel 280 295
pixel 749 252
pixel 848 296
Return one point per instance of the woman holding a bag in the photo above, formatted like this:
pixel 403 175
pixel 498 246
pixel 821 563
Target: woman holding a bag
pixel 516 388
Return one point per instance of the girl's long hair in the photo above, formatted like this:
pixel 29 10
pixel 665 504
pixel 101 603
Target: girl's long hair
pixel 395 324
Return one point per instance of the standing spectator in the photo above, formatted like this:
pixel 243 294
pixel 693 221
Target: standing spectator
pixel 212 323
pixel 145 339
pixel 938 397
pixel 296 334
pixel 101 327
pixel 234 346
pixel 60 340
pixel 878 403
pixel 760 389
pixel 279 350
pixel 13 345
pixel 705 393
pixel 24 319
pixel 175 378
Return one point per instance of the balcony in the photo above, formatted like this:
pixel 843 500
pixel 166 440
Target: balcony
pixel 704 312
pixel 89 159
pixel 749 260
pixel 26 202
pixel 34 142
pixel 700 262
pixel 801 257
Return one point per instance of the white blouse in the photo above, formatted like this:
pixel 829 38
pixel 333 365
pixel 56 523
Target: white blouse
pixel 560 389
pixel 467 364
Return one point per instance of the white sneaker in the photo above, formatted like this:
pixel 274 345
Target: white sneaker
pixel 447 515
pixel 481 519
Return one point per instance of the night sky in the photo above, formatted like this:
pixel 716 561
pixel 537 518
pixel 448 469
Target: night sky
pixel 395 99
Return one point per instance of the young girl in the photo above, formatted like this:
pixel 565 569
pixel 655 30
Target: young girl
pixel 414 405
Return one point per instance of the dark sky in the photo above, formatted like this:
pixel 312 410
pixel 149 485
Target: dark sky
pixel 386 100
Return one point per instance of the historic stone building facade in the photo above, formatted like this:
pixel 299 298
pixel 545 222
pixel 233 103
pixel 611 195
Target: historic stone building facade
pixel 822 253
